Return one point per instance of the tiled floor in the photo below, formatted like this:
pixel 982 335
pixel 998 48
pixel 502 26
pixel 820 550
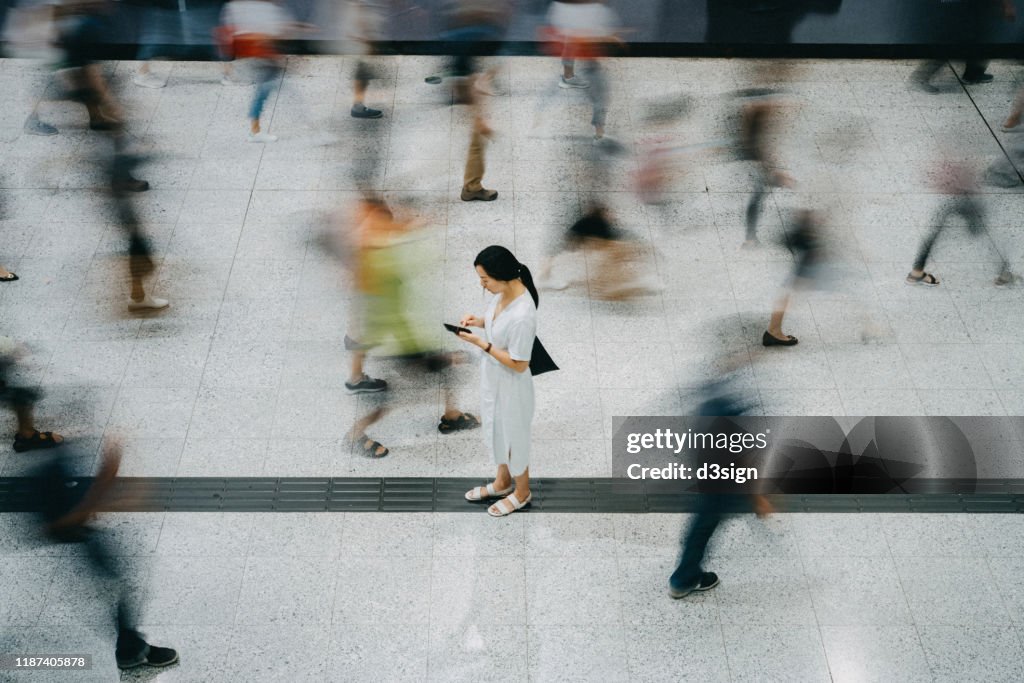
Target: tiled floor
pixel 367 596
pixel 244 374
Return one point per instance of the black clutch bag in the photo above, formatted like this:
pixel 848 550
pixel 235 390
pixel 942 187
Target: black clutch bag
pixel 540 361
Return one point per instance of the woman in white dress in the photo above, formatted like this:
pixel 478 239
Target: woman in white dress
pixel 506 385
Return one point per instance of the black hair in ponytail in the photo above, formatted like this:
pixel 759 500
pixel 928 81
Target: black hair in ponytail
pixel 499 263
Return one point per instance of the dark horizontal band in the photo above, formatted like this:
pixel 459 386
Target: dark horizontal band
pixel 413 494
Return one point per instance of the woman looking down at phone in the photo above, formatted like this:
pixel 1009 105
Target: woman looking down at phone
pixel 506 385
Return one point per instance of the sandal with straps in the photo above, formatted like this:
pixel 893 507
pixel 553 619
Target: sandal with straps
pixel 463 421
pixel 482 492
pixel 926 279
pixel 36 441
pixel 513 504
pixel 369 447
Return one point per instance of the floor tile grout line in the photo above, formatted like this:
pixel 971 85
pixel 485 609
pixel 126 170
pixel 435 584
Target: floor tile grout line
pixel 1017 627
pixel 220 307
pixel 906 599
pixel 810 597
pixel 981 115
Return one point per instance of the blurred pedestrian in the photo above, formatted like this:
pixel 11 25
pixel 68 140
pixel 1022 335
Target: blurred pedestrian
pixel 366 230
pixel 721 402
pixel 474 28
pixel 618 267
pixel 30 32
pixel 256 27
pixel 588 32
pixel 389 255
pixel 140 252
pixel 808 249
pixel 958 183
pixel 83 28
pixel 964 28
pixel 22 401
pixel 364 23
pixel 473 175
pixel 759 112
pixel 67 506
pixel 175 29
pixel 506 385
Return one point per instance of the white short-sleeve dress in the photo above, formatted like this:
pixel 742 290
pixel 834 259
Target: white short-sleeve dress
pixel 506 396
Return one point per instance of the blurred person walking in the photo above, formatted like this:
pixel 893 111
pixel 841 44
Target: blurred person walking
pixel 388 255
pixel 22 401
pixel 808 249
pixel 587 31
pixel 964 28
pixel 962 199
pixel 366 217
pixel 83 28
pixel 714 503
pixel 256 27
pixel 473 175
pixel 67 506
pixel 474 28
pixel 176 29
pixel 506 385
pixel 618 269
pixel 759 112
pixel 140 251
pixel 616 257
pixel 30 32
pixel 364 24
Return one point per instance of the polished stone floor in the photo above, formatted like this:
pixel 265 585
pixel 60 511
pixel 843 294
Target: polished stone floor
pixel 543 597
pixel 243 374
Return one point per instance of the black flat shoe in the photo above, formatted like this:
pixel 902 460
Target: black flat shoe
pixel 977 79
pixel 772 340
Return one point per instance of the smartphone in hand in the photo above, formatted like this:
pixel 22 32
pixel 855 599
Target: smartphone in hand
pixel 455 329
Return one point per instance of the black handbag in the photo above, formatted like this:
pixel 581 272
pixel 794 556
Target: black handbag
pixel 540 361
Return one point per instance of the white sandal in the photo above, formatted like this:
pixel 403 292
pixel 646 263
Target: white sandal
pixel 474 493
pixel 498 510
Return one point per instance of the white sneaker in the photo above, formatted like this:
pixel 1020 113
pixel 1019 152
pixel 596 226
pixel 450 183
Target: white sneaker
pixel 149 303
pixel 149 80
pixel 574 82
pixel 262 137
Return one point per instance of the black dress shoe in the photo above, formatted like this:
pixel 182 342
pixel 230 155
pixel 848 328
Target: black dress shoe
pixel 772 340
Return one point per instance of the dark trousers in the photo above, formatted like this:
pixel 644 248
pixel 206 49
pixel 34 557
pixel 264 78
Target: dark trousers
pixel 761 189
pixel 130 643
pixel 973 69
pixel 966 207
pixel 711 509
pixel 57 499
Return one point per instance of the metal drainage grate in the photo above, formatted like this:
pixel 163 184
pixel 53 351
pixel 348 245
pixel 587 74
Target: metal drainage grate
pixel 412 494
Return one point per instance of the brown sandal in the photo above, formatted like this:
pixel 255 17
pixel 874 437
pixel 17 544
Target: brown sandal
pixel 369 447
pixel 926 279
pixel 37 441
